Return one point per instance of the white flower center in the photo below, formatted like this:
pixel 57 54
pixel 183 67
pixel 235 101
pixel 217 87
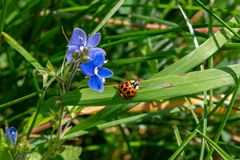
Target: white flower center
pixel 96 70
pixel 81 48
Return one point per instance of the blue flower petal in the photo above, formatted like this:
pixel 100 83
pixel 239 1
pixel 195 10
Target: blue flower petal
pixel 94 40
pixel 105 72
pixel 78 38
pixel 11 133
pixel 98 60
pixel 96 83
pixel 92 52
pixel 87 68
pixel 70 51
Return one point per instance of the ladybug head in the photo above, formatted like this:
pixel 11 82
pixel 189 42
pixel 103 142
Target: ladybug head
pixel 135 84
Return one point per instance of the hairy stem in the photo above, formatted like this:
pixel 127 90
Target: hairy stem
pixel 75 66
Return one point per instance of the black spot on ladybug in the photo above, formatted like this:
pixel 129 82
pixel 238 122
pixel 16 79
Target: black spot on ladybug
pixel 128 92
pixel 126 83
pixel 132 91
pixel 125 89
pixel 122 87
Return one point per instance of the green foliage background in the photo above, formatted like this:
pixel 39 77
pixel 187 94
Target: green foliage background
pixel 147 40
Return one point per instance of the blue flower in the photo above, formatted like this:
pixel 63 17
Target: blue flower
pixel 11 133
pixel 79 43
pixel 95 70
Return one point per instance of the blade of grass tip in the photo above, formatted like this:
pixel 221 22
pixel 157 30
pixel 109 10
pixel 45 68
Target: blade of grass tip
pixel 195 41
pixel 12 42
pixel 221 152
pixel 218 18
pixel 108 16
pixel 179 140
pixel 224 121
pixel 194 132
pixel 193 113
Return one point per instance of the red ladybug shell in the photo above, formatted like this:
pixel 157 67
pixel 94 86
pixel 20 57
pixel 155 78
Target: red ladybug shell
pixel 128 89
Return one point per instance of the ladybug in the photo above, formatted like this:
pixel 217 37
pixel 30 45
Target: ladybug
pixel 129 89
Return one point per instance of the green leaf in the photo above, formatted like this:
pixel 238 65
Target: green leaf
pixel 158 88
pixel 50 69
pixel 35 156
pixel 71 153
pixel 152 89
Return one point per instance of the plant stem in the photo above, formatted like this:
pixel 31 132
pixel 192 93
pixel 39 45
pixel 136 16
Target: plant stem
pixel 75 66
pixel 60 123
pixel 210 60
pixel 41 97
pixel 68 85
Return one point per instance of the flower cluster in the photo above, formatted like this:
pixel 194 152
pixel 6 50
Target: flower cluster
pixel 13 149
pixel 87 49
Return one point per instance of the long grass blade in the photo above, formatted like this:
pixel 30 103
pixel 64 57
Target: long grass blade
pixel 194 132
pixel 225 118
pixel 223 154
pixel 218 18
pixel 200 54
pixel 109 15
pixel 157 88
pixel 12 42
